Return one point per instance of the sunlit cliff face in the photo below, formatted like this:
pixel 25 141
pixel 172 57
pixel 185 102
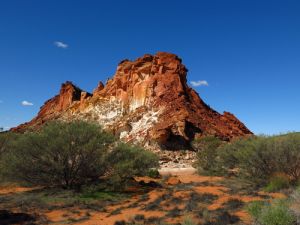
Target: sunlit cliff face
pixel 148 102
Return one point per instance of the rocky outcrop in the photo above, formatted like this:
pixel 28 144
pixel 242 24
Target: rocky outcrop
pixel 147 101
pixel 56 106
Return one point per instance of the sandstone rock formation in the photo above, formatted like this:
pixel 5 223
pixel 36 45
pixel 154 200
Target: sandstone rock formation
pixel 147 101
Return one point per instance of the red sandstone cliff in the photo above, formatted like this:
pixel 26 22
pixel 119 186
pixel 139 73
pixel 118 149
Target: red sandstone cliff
pixel 147 101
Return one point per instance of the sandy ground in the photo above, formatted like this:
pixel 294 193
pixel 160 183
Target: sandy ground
pixel 177 171
pixel 176 186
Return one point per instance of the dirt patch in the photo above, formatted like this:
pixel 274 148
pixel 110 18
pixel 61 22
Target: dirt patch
pixel 12 189
pixel 180 193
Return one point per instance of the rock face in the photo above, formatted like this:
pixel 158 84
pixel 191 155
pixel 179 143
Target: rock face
pixel 147 101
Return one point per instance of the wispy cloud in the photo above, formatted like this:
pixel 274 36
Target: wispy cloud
pixel 26 103
pixel 60 44
pixel 199 83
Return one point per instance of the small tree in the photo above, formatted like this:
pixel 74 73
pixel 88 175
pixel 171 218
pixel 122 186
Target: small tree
pixel 6 138
pixel 127 161
pixel 5 141
pixel 207 148
pixel 66 154
pixel 288 156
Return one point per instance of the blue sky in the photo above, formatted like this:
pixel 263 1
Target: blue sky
pixel 247 51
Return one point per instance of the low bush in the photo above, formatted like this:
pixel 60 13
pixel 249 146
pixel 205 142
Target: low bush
pixel 6 139
pixel 71 155
pixel 255 158
pixel 276 213
pixel 207 148
pixel 277 182
pixel 255 208
pixel 64 154
pixel 126 161
pixel 153 173
pixel 295 203
pixel 252 156
pixel 188 221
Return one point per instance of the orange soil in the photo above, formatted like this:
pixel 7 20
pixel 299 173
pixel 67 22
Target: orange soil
pixel 127 213
pixel 11 190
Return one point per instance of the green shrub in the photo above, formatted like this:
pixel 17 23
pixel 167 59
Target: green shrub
pixel 277 183
pixel 188 221
pixel 228 153
pixel 288 155
pixel 255 208
pixel 5 139
pixel 295 202
pixel 66 154
pixel 153 173
pixel 255 158
pixel 127 161
pixel 207 155
pixel 276 213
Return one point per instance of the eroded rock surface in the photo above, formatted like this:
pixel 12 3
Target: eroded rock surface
pixel 147 101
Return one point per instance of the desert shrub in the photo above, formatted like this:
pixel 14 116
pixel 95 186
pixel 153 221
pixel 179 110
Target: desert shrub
pixel 5 140
pixel 295 201
pixel 258 158
pixel 277 182
pixel 66 154
pixel 276 213
pixel 207 148
pixel 255 208
pixel 188 221
pixel 153 173
pixel 288 155
pixel 229 153
pixel 127 161
pixel 255 158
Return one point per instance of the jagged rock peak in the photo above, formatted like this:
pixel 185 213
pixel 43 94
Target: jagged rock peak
pixel 147 101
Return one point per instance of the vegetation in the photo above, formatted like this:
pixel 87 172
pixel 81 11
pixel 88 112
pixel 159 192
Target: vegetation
pixel 81 156
pixel 188 221
pixel 271 162
pixel 255 208
pixel 278 182
pixel 71 155
pixel 60 154
pixel 127 161
pixel 258 159
pixel 276 213
pixel 153 173
pixel 207 153
pixel 5 139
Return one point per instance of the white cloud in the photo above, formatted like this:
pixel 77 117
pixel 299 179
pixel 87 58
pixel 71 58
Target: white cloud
pixel 199 83
pixel 60 44
pixel 26 103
